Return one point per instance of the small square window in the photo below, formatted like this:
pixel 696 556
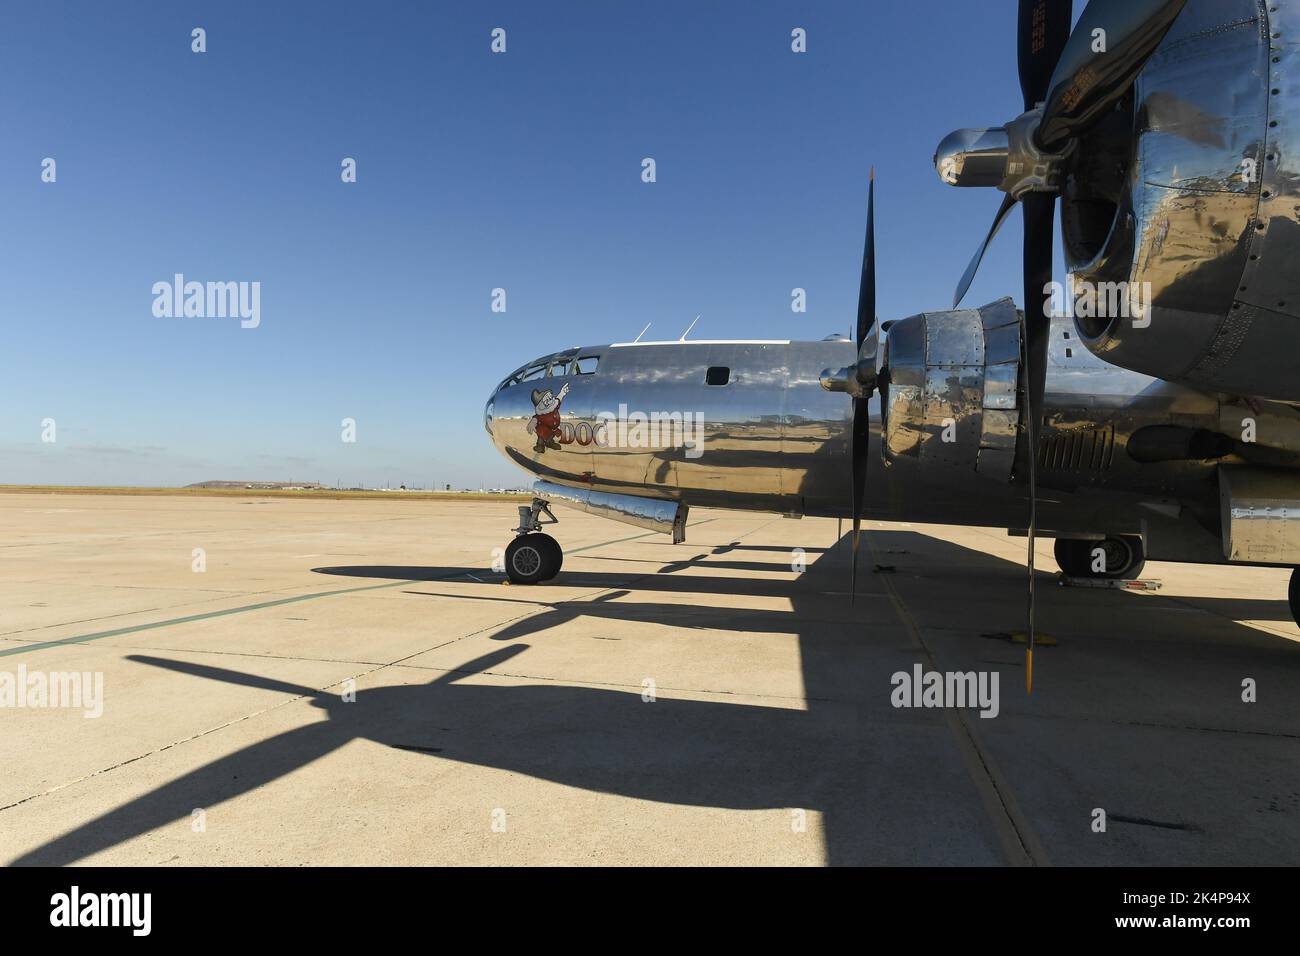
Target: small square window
pixel 587 364
pixel 717 375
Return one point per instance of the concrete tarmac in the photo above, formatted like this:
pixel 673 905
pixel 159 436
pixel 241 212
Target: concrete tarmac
pixel 295 681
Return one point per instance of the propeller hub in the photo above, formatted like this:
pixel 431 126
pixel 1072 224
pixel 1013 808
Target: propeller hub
pixel 1030 168
pixel 973 157
pixel 836 380
pixel 856 380
pixel 1007 157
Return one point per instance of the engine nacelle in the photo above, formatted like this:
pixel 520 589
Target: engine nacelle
pixel 1188 199
pixel 949 393
pixel 1261 522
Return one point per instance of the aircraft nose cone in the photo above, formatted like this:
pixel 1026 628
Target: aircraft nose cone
pixel 487 413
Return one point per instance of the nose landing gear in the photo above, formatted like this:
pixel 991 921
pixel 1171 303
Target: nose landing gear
pixel 533 556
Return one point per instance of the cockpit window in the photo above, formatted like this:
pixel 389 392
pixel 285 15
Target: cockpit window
pixel 553 366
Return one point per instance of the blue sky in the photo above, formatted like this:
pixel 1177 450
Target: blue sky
pixel 518 170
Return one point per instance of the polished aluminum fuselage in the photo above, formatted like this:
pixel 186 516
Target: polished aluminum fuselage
pixel 775 440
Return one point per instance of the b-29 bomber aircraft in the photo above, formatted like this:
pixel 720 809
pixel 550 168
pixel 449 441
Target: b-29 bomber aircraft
pixel 1147 407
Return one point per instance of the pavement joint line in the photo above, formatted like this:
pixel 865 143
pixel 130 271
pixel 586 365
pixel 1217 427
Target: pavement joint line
pixel 1157 725
pixel 677 610
pixel 537 611
pixel 204 616
pixel 150 753
pixel 400 662
pixel 237 720
pixel 659 688
pixel 7 635
pixel 280 602
pixel 1018 840
pixel 252 654
pixel 1188 604
pixel 586 599
pixel 300 697
pixel 951 644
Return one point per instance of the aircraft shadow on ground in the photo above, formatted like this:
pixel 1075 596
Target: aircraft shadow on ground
pixel 703 753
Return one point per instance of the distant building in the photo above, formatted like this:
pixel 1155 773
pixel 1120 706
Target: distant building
pixel 261 485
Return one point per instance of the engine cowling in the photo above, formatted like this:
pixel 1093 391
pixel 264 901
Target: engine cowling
pixel 1187 202
pixel 949 391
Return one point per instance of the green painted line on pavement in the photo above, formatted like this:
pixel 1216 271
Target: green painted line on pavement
pixel 280 602
pixel 189 618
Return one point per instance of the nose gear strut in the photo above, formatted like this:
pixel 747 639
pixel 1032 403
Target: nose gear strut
pixel 533 556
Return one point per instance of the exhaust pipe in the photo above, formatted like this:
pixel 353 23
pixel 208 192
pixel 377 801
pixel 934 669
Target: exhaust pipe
pixel 656 514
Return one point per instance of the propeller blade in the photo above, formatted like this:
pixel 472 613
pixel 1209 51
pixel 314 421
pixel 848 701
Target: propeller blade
pixel 1040 215
pixel 1042 29
pixel 861 435
pixel 1085 84
pixel 867 287
pixel 969 275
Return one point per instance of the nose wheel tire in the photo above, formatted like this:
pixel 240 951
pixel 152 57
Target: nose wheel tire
pixel 1123 557
pixel 533 557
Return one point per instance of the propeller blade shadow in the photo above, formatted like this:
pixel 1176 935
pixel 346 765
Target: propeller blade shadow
pixel 225 676
pixel 230 776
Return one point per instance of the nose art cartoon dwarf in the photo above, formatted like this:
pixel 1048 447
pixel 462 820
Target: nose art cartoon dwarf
pixel 545 424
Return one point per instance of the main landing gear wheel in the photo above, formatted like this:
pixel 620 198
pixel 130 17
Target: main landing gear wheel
pixel 1295 595
pixel 1123 554
pixel 533 557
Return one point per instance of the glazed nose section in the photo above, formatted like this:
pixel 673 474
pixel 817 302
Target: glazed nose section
pixel 488 409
